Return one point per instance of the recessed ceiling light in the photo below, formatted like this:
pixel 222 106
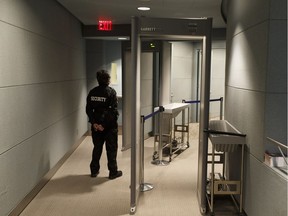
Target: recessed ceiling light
pixel 143 8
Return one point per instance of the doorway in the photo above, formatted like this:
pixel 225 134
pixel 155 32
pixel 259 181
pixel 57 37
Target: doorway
pixel 160 29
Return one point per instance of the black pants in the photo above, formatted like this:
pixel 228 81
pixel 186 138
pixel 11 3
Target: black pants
pixel 110 137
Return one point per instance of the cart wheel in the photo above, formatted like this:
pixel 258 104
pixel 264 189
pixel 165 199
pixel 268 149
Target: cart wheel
pixel 132 210
pixel 188 145
pixel 155 156
pixel 170 158
pixel 203 210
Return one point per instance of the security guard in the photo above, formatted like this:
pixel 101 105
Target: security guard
pixel 102 112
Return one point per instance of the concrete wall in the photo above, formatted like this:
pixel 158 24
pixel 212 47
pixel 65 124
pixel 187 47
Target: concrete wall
pixel 256 95
pixel 42 93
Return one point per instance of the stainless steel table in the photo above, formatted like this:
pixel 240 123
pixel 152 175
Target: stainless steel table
pixel 166 131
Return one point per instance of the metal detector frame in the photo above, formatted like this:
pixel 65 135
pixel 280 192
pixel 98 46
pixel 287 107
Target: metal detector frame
pixel 169 29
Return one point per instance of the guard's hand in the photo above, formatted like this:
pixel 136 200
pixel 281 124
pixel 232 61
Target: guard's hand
pixel 98 127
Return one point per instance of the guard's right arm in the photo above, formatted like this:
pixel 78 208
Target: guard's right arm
pixel 89 110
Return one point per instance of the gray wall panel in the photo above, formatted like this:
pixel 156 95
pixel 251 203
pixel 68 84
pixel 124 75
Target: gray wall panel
pixel 243 112
pixel 278 9
pixel 42 93
pixel 275 120
pixel 35 157
pixel 256 96
pixel 277 59
pixel 29 58
pixel 36 16
pixel 28 107
pixel 266 190
pixel 242 14
pixel 247 70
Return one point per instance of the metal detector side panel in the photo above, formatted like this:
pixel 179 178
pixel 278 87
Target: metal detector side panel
pixel 135 118
pixel 204 121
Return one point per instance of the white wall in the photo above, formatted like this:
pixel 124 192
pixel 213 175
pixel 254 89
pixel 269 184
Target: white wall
pixel 184 74
pixel 217 83
pixel 146 86
pixel 181 72
pixel 42 93
pixel 256 95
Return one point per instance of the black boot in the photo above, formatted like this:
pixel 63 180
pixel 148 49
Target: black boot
pixel 115 175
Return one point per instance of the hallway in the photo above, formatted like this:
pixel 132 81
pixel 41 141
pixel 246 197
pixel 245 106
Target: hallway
pixel 73 192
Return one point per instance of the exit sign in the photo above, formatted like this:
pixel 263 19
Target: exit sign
pixel 105 25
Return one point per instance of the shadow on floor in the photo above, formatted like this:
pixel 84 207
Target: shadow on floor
pixel 74 184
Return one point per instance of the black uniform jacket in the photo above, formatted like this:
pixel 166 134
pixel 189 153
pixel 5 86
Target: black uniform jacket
pixel 101 106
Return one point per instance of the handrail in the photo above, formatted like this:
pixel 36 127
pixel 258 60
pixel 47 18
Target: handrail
pixel 279 145
pixel 225 133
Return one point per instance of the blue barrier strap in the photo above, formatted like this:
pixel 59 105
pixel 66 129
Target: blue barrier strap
pixel 212 100
pixel 151 115
pixel 161 109
pixel 198 101
pixel 192 102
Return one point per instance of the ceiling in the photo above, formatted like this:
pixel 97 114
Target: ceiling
pixel 89 12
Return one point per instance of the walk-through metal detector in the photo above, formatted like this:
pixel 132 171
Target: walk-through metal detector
pixel 169 29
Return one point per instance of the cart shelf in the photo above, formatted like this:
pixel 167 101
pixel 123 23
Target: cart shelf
pixel 167 129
